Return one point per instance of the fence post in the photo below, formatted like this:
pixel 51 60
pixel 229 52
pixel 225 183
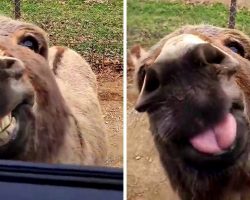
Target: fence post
pixel 232 14
pixel 17 8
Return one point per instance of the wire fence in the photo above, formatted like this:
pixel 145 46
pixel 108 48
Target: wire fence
pixel 103 53
pixel 17 9
pixel 232 14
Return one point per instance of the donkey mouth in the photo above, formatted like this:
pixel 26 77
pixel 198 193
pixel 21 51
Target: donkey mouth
pixel 10 124
pixel 220 145
pixel 218 138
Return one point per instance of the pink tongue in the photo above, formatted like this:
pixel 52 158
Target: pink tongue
pixel 218 138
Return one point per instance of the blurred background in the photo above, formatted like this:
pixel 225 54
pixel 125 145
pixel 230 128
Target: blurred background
pixel 148 22
pixel 93 28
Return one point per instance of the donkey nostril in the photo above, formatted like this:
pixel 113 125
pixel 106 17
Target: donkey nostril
pixel 6 63
pixel 152 81
pixel 150 90
pixel 18 74
pixel 11 68
pixel 9 62
pixel 207 54
pixel 210 55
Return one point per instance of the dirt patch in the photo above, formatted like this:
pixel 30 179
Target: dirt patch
pixel 110 96
pixel 96 1
pixel 240 3
pixel 146 179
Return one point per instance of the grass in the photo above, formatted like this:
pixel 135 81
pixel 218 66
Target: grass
pixel 85 27
pixel 148 21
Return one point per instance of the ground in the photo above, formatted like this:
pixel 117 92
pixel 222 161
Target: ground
pixel 111 99
pixel 146 179
pixel 148 22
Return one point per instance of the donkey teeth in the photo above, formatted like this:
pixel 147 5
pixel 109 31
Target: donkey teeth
pixel 4 120
pixel 12 126
pixel 7 122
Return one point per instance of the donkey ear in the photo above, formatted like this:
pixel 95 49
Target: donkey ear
pixel 136 69
pixel 137 51
pixel 136 54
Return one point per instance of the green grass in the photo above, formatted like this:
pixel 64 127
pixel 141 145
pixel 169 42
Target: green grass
pixel 148 21
pixel 85 27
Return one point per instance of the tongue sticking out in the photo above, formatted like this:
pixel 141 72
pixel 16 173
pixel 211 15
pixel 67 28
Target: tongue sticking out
pixel 218 138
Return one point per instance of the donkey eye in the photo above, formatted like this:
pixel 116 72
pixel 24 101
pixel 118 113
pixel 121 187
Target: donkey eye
pixel 31 43
pixel 236 48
